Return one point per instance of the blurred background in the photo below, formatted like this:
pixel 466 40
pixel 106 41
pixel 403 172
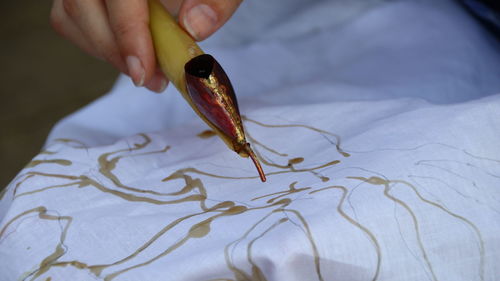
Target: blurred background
pixel 43 78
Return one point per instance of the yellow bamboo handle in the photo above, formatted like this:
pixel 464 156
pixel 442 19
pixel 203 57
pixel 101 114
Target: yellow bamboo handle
pixel 173 46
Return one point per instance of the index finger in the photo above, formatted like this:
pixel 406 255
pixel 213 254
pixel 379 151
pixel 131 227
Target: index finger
pixel 129 20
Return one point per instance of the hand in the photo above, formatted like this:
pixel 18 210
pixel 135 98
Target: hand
pixel 117 31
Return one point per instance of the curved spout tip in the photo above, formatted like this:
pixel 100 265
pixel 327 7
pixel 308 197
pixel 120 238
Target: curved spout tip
pixel 256 162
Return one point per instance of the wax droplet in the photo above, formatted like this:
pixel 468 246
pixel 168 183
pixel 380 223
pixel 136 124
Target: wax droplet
pixel 206 134
pixel 295 160
pixel 199 230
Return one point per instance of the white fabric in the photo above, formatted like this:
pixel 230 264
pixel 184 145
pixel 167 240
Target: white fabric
pixel 404 94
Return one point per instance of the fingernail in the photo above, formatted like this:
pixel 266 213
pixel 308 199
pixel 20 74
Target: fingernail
pixel 135 70
pixel 200 21
pixel 157 84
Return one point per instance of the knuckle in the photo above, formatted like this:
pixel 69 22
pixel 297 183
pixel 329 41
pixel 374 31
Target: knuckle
pixel 104 51
pixel 70 7
pixel 124 28
pixel 110 54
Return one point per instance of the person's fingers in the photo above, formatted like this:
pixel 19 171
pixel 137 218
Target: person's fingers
pixel 158 82
pixel 172 6
pixel 65 27
pixel 118 30
pixel 201 18
pixel 129 20
pixel 91 18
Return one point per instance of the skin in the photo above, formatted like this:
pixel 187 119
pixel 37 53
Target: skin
pixel 117 31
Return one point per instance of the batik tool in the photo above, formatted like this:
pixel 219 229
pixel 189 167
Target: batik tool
pixel 200 79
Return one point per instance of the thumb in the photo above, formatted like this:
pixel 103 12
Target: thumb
pixel 201 18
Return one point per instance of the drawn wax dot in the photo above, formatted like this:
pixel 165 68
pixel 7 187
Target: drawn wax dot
pixel 377 180
pixel 200 230
pixel 296 160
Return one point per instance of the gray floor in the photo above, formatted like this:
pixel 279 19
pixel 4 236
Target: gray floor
pixel 43 78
